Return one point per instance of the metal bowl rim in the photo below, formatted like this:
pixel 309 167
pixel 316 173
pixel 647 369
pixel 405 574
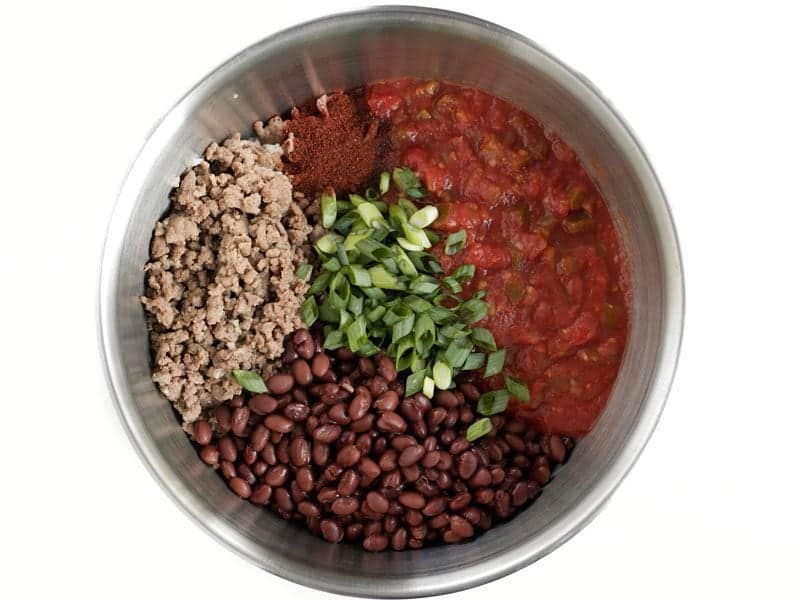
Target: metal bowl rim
pixel 571 522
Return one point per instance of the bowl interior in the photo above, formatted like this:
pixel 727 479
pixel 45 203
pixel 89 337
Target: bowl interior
pixel 342 52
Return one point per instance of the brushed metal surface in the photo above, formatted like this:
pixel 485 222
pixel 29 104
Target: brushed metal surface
pixel 342 51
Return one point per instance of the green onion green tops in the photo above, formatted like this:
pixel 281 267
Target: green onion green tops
pixel 250 380
pixel 379 289
pixel 478 429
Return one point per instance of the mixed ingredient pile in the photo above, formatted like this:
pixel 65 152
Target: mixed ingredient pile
pixel 390 316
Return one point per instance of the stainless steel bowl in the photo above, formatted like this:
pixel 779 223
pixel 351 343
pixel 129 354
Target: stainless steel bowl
pixel 343 51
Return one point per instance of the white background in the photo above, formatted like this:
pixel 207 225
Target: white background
pixel 711 508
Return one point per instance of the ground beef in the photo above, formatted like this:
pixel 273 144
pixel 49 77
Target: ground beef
pixel 221 290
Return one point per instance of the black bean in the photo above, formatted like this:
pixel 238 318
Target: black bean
pixel 434 506
pixel 280 383
pixel 202 432
pixel 348 456
pixel 240 487
pixel 348 484
pixel 307 349
pixel 261 494
pixel 375 543
pixel 227 449
pixel 387 401
pixel 223 416
pixel 377 502
pixel 378 385
pixel 344 506
pixel 411 455
pixel 227 469
pixel 467 464
pixel 331 531
pixel 391 422
pixel 327 433
pixel 262 404
pixel 301 372
pixel 279 423
pixel 300 452
pixel 413 500
pixel 399 539
pixel 276 475
pixel 386 368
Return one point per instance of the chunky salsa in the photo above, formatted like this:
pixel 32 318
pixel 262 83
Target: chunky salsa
pixel 539 234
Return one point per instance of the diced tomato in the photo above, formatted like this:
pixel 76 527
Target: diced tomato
pixel 488 256
pixel 530 245
pixel 433 174
pixel 556 204
pixel 461 215
pixel 496 173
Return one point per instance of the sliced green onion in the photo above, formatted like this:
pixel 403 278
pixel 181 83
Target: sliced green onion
pixel 373 293
pixel 518 389
pixel 424 334
pixel 402 349
pixel 359 276
pixel 440 315
pixel 249 380
pixel 371 215
pixel 455 242
pixel 474 361
pixel 428 386
pixel 404 263
pixel 404 243
pixel 328 313
pixel 409 208
pixel 357 333
pixel 492 403
pixel 384 279
pixel 319 284
pixel 328 206
pixel 414 383
pixel 345 318
pixel 452 284
pixel 407 181
pixel 383 184
pixel 356 304
pixel 473 310
pixel 310 311
pixel 328 243
pixel 303 271
pixel 478 429
pixel 396 313
pixel 416 236
pixel 424 284
pixel 376 313
pixel 355 237
pixel 464 273
pixel 442 375
pixel 344 224
pixel 424 216
pixel 368 349
pixel 494 363
pixel 356 200
pixel 403 327
pixel 483 338
pixel 417 304
pixel 334 340
pixel 332 264
pixel 457 353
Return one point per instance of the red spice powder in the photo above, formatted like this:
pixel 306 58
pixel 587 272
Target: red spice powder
pixel 334 144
